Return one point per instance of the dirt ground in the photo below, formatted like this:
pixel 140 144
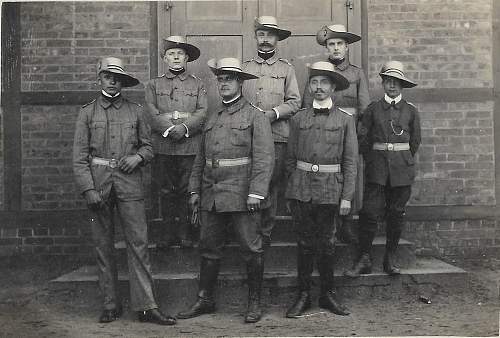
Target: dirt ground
pixel 29 309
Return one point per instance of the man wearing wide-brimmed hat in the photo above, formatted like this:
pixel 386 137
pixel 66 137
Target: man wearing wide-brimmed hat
pixel 275 92
pixel 354 99
pixel 229 184
pixel 321 168
pixel 177 103
pixel 112 141
pixel 389 139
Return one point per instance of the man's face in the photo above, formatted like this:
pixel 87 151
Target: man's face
pixel 321 87
pixel 110 83
pixel 337 48
pixel 176 58
pixel 392 86
pixel 267 40
pixel 229 85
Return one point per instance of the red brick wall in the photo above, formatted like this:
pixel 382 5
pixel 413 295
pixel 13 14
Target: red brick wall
pixel 62 42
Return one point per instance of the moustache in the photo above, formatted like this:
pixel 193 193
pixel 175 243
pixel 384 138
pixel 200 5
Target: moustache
pixel 265 44
pixel 319 91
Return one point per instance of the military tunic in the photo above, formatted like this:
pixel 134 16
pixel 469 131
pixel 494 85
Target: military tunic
pixel 275 88
pixel 112 130
pixel 165 95
pixel 237 131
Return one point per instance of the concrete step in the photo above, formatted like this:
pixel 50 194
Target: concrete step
pixel 280 255
pixel 176 290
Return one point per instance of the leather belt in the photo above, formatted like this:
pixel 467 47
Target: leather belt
pixel 112 163
pixel 324 168
pixel 391 146
pixel 175 115
pixel 227 162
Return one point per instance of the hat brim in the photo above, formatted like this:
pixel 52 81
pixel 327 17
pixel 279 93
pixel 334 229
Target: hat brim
pixel 340 81
pixel 241 74
pixel 282 33
pixel 192 51
pixel 347 36
pixel 126 79
pixel 405 82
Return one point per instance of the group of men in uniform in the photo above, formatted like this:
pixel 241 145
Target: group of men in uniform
pixel 223 166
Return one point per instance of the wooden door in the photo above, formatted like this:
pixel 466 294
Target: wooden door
pixel 225 29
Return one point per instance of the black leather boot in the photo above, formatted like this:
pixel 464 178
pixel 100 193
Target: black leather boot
pixel 391 246
pixel 327 299
pixel 255 270
pixel 205 303
pixel 363 264
pixel 305 262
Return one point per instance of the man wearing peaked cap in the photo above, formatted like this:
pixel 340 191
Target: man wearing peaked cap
pixel 229 184
pixel 275 92
pixel 112 140
pixel 389 139
pixel 177 103
pixel 355 99
pixel 321 167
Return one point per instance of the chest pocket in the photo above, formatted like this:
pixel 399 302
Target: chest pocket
pixel 97 133
pixel 333 133
pixel 129 132
pixel 241 134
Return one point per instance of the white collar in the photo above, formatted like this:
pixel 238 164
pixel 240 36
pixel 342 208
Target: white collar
pixel 108 95
pixel 396 99
pixel 232 100
pixel 326 103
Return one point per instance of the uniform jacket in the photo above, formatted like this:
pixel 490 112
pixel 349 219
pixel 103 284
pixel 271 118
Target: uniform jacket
pixel 111 131
pixel 394 167
pixel 322 138
pixel 184 93
pixel 356 96
pixel 276 88
pixel 238 130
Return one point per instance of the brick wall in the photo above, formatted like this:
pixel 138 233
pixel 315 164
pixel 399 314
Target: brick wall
pixel 445 44
pixel 455 163
pixel 62 42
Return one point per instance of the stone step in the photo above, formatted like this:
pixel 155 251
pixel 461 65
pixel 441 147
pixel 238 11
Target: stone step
pixel 280 255
pixel 176 291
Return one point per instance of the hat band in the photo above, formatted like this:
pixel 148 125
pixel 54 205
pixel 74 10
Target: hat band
pixel 231 68
pixel 394 71
pixel 115 67
pixel 269 25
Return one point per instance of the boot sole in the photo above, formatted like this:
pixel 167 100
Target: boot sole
pixel 340 313
pixel 206 312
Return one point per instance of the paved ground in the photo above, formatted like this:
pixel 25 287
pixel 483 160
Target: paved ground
pixel 28 309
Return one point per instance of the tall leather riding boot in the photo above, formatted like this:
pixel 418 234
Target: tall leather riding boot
pixel 327 299
pixel 205 303
pixel 305 262
pixel 363 264
pixel 255 271
pixel 391 246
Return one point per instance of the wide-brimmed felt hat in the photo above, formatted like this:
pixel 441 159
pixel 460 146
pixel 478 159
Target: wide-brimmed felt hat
pixel 395 69
pixel 270 23
pixel 229 65
pixel 115 65
pixel 328 69
pixel 176 41
pixel 335 31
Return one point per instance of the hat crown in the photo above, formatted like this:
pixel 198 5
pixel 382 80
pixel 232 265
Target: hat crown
pixel 176 39
pixel 229 64
pixel 110 63
pixel 267 20
pixel 323 65
pixel 395 66
pixel 337 28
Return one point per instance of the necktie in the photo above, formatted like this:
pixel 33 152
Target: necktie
pixel 321 110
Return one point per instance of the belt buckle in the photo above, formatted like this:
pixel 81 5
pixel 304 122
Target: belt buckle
pixel 390 146
pixel 175 115
pixel 113 163
pixel 215 163
pixel 315 168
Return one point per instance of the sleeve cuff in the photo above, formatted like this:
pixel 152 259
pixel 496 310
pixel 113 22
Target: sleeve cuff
pixel 277 113
pixel 256 196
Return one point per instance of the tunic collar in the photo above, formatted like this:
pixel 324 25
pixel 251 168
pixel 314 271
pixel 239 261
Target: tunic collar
pixel 386 101
pixel 269 61
pixel 343 65
pixel 235 105
pixel 106 104
pixel 170 75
